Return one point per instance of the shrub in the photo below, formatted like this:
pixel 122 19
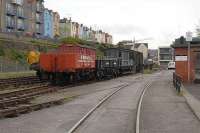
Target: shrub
pixel 18 56
pixel 71 40
pixel 2 52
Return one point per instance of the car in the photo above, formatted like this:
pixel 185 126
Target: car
pixel 171 65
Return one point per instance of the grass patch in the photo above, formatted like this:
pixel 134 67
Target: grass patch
pixel 6 75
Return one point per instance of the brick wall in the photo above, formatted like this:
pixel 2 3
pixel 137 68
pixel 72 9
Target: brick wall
pixel 182 66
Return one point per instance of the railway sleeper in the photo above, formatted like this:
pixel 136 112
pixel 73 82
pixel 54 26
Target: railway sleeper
pixel 14 102
pixel 26 108
pixel 20 92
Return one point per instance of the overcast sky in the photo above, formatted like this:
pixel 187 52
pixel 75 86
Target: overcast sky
pixel 160 20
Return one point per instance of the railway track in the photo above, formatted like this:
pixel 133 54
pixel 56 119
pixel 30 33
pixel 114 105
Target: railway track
pixel 87 115
pixel 19 81
pixel 15 102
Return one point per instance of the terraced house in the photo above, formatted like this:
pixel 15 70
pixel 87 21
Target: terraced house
pixel 65 27
pixel 24 16
pixel 37 16
pixel 56 24
pixel 48 23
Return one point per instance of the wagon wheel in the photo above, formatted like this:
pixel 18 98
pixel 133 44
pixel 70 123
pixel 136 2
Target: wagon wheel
pixel 99 75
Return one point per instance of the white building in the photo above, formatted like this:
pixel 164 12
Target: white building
pixel 165 55
pixel 143 48
pixel 65 28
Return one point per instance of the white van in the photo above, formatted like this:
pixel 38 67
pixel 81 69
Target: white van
pixel 171 65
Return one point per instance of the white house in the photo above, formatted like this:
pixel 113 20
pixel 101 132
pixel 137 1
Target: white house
pixel 143 48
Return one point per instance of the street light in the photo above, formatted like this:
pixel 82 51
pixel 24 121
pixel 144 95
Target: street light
pixel 189 39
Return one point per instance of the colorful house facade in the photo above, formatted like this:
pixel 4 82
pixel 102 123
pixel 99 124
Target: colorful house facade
pixel 30 18
pixel 48 23
pixel 65 28
pixel 56 24
pixel 22 16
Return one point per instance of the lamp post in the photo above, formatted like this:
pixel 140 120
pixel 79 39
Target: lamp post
pixel 189 39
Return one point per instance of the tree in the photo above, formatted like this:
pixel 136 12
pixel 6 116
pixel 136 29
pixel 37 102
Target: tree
pixel 198 29
pixel 198 32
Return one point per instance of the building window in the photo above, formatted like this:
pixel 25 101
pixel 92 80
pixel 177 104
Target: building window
pixel 165 50
pixel 20 11
pixel 37 17
pixel 10 22
pixel 39 6
pixel 20 2
pixel 165 57
pixel 20 24
pixel 38 28
pixel 10 8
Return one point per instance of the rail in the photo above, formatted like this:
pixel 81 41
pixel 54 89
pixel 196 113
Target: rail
pixel 87 115
pixel 177 82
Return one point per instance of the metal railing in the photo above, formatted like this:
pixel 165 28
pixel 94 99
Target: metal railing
pixel 177 82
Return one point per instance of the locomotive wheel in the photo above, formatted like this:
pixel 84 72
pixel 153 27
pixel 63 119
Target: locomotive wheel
pixel 115 74
pixel 42 76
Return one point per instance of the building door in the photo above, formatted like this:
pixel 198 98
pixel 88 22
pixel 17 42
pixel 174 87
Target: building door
pixel 197 66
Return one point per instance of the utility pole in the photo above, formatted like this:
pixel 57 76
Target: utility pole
pixel 189 61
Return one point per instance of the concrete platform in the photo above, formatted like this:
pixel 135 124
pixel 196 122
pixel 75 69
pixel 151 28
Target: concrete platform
pixel 163 111
pixel 191 92
pixel 193 89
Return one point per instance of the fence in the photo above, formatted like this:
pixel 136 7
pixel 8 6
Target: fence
pixel 177 82
pixel 12 66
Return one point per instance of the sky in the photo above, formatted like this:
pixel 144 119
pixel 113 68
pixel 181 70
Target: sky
pixel 157 22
